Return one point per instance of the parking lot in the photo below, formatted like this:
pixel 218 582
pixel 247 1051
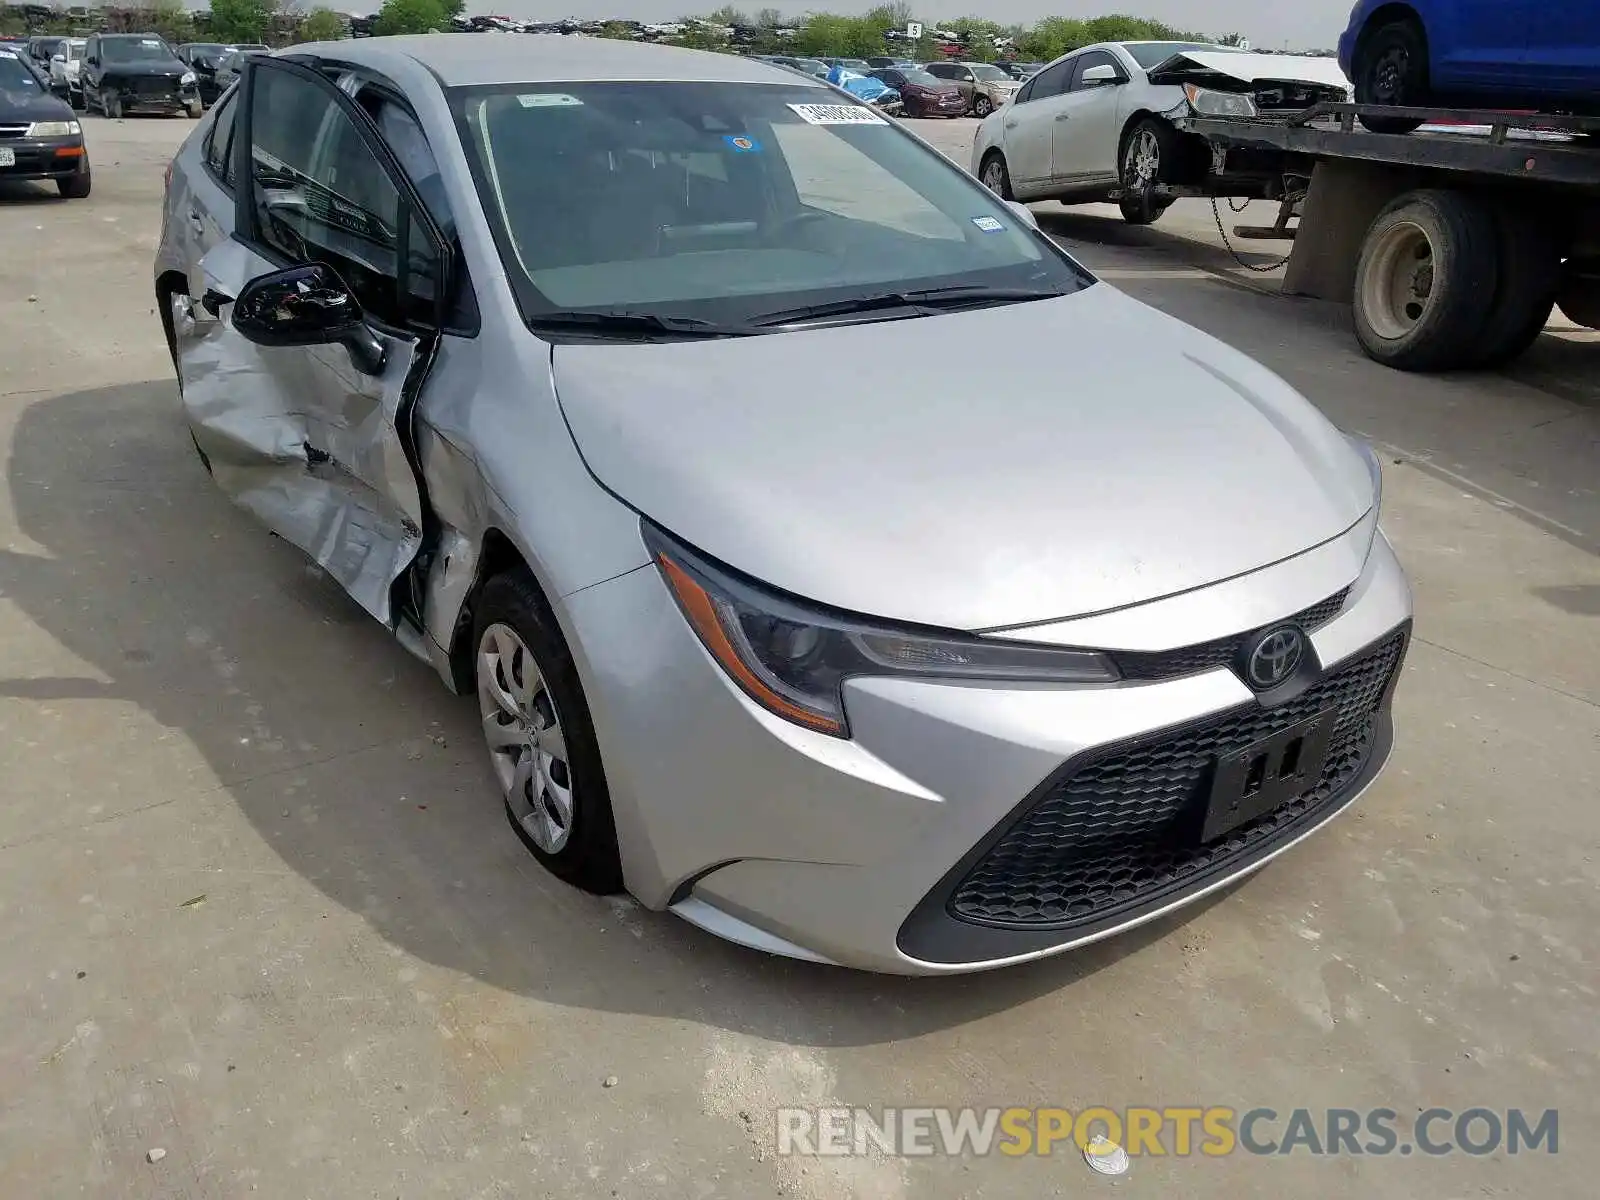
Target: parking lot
pixel 260 910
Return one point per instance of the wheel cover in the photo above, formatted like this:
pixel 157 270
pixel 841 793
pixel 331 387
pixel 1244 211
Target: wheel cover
pixel 1142 163
pixel 527 746
pixel 1397 286
pixel 1389 73
pixel 994 176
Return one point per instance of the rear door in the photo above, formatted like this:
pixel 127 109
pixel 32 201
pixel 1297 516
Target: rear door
pixel 1484 43
pixel 316 449
pixel 1030 122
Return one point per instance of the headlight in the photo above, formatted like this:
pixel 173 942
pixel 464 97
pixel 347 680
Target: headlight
pixel 186 79
pixel 52 129
pixel 792 658
pixel 1218 104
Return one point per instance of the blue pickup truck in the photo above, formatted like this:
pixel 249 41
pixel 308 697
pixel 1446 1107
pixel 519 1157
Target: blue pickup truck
pixel 1529 54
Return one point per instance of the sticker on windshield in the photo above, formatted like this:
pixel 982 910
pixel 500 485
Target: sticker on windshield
pixel 548 100
pixel 837 114
pixel 150 44
pixel 740 144
pixel 988 224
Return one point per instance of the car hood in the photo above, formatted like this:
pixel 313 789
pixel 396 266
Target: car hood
pixel 1006 466
pixel 1193 65
pixel 17 104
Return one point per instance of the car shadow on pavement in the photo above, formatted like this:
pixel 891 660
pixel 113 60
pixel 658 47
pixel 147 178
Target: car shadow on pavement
pixel 1111 230
pixel 15 193
pixel 352 761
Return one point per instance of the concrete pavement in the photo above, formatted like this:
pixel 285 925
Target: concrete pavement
pixel 259 907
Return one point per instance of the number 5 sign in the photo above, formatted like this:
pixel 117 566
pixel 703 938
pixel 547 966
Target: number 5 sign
pixel 913 30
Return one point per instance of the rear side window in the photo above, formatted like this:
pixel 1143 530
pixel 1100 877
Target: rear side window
pixel 219 144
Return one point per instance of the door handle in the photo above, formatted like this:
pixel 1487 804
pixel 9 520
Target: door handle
pixel 213 301
pixel 1063 116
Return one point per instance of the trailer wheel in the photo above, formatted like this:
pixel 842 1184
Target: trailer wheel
pixel 1529 274
pixel 1391 67
pixel 1426 281
pixel 1579 294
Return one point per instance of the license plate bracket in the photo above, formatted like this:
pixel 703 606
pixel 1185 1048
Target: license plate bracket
pixel 8 157
pixel 1251 782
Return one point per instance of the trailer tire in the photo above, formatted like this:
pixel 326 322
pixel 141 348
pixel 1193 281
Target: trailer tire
pixel 1391 67
pixel 1579 293
pixel 1426 279
pixel 1529 275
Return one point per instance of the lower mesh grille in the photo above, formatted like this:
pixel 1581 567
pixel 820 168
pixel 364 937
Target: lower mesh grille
pixel 1120 830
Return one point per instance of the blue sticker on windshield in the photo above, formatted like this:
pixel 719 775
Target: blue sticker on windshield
pixel 988 224
pixel 740 144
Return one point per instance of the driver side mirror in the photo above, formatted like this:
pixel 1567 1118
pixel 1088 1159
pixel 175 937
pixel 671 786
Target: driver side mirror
pixel 1102 74
pixel 307 306
pixel 58 58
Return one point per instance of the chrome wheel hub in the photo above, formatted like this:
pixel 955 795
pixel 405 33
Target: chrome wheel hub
pixel 527 746
pixel 1143 159
pixel 994 177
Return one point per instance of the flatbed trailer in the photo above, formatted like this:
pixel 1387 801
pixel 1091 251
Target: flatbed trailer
pixel 1453 244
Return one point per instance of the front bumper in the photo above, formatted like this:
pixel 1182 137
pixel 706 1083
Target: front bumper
pixel 43 158
pixel 151 95
pixel 881 852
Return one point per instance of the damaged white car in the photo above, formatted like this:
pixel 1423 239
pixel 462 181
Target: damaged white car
pixel 1096 124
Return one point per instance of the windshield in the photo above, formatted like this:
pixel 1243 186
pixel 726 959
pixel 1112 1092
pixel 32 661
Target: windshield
pixel 724 201
pixel 14 75
pixel 73 48
pixel 207 49
pixel 1153 54
pixel 135 50
pixel 989 73
pixel 921 77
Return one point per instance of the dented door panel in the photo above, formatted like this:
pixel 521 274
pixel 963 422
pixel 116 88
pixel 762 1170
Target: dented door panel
pixel 301 439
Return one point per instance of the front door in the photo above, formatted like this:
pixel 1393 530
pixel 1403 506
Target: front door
pixel 1086 136
pixel 1487 42
pixel 1564 46
pixel 309 442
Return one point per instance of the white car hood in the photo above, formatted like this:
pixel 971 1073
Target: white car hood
pixel 1005 466
pixel 1249 68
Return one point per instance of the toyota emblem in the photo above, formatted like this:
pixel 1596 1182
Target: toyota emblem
pixel 1275 656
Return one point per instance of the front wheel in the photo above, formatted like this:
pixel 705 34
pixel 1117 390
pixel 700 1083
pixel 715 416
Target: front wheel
pixel 982 107
pixel 994 176
pixel 1391 68
pixel 112 107
pixel 541 741
pixel 1149 153
pixel 195 109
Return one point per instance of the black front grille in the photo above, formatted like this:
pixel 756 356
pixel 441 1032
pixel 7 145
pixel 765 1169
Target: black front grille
pixel 155 85
pixel 1121 830
pixel 1204 656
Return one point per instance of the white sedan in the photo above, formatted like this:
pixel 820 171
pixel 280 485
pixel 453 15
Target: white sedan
pixel 1095 125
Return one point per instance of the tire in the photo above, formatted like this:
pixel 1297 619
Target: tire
pixel 195 110
pixel 581 848
pixel 1579 293
pixel 1141 213
pixel 1391 67
pixel 1529 275
pixel 76 187
pixel 77 102
pixel 992 173
pixel 982 107
pixel 1148 153
pixel 1426 280
pixel 112 107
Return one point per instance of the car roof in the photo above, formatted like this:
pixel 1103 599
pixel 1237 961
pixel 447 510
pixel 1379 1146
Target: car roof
pixel 459 61
pixel 130 37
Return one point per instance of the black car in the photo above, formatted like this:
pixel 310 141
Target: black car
pixel 205 57
pixel 137 72
pixel 39 136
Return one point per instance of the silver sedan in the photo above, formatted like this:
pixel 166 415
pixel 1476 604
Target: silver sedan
pixel 834 561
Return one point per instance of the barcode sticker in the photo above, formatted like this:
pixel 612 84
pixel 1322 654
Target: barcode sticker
pixel 837 114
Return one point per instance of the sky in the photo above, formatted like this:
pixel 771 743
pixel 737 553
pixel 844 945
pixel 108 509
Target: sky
pixel 1303 24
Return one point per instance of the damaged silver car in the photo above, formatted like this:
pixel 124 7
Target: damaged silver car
pixel 525 341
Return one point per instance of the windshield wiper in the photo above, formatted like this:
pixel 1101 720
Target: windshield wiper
pixel 645 323
pixel 923 299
